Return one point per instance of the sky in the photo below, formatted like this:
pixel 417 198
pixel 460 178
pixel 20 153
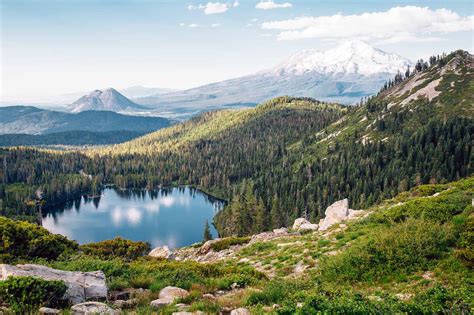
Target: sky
pixel 52 47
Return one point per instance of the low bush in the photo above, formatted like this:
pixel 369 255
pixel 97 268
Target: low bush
pixel 227 242
pixel 25 295
pixel 117 248
pixel 28 241
pixel 401 248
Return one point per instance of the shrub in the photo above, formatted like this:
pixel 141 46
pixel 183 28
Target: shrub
pixel 111 267
pixel 276 291
pixel 228 242
pixel 403 247
pixel 23 240
pixel 117 248
pixel 26 295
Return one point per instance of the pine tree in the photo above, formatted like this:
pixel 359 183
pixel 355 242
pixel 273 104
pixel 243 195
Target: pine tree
pixel 207 232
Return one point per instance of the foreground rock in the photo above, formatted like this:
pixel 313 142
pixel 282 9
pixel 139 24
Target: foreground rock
pixel 162 252
pixel 240 311
pixel 81 286
pixel 338 212
pixel 89 308
pixel 173 293
pixel 168 295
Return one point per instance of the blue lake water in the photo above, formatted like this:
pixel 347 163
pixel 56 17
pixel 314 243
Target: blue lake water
pixel 173 217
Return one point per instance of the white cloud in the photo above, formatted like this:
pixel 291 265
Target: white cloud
pixel 193 25
pixel 268 5
pixel 214 7
pixel 398 24
pixel 182 24
pixel 215 25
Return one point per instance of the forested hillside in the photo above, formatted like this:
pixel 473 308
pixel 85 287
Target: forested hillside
pixel 286 158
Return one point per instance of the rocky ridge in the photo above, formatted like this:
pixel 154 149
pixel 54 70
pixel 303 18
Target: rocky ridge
pixel 336 214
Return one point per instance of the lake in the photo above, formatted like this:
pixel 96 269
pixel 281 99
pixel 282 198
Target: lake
pixel 173 217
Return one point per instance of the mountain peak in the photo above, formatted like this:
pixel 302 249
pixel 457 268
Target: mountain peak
pixel 108 99
pixel 349 57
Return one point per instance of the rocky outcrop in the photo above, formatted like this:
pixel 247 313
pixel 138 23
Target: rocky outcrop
pixel 267 236
pixel 89 308
pixel 168 295
pixel 302 224
pixel 82 286
pixel 338 212
pixel 162 252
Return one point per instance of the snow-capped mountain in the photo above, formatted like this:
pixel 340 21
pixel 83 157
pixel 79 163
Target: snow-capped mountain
pixel 345 74
pixel 108 99
pixel 351 57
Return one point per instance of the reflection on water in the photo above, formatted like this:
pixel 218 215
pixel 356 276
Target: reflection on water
pixel 172 216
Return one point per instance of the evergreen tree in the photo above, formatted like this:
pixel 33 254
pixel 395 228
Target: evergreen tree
pixel 207 232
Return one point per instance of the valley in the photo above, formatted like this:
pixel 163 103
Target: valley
pixel 402 158
pixel 236 157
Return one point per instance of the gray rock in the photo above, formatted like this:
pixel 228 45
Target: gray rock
pixel 209 297
pixel 168 295
pixel 89 308
pixel 338 212
pixel 298 222
pixel 301 224
pixel 308 226
pixel 81 286
pixel 162 252
pixel 48 311
pixel 240 311
pixel 173 293
pixel 159 303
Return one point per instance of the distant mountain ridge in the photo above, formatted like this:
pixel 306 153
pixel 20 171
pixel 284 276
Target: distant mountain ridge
pixel 69 138
pixel 108 99
pixel 32 120
pixel 344 74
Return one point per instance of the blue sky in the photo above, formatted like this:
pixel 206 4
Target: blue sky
pixel 53 47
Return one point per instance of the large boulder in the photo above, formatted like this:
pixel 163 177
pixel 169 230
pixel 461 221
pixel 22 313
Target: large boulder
pixel 173 293
pixel 162 252
pixel 81 286
pixel 89 308
pixel 338 212
pixel 168 295
pixel 298 222
pixel 302 224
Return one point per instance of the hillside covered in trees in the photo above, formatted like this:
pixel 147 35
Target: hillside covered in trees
pixel 286 158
